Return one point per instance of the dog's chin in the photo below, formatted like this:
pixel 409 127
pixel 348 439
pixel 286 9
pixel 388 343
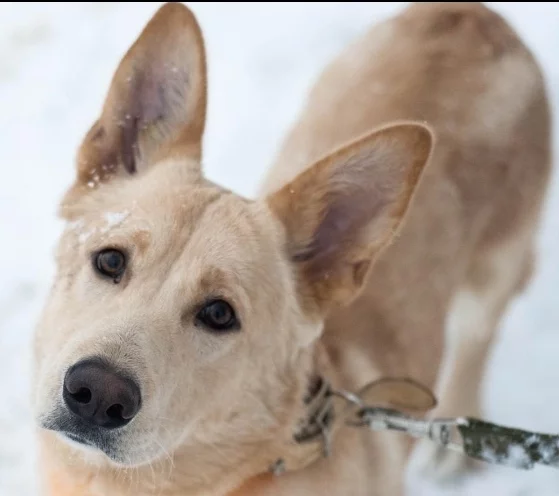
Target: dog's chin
pixel 89 449
pixel 98 446
pixel 95 445
pixel 77 442
pixel 96 454
pixel 101 454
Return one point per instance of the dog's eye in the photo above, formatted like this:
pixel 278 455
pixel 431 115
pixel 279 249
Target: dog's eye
pixel 218 315
pixel 110 263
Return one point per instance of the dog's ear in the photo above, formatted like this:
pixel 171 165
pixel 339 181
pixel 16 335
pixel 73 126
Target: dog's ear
pixel 343 210
pixel 156 104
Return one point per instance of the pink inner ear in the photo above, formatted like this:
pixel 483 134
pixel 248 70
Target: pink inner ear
pixel 347 213
pixel 146 104
pixel 361 189
pixel 345 217
pixel 151 94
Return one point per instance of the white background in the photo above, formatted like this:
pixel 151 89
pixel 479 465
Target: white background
pixel 56 61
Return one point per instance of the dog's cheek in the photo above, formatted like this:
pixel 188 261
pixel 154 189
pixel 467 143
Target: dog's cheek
pixel 44 390
pixel 44 362
pixel 310 333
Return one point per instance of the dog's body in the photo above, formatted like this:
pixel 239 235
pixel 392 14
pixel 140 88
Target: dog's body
pixel 463 249
pixel 467 245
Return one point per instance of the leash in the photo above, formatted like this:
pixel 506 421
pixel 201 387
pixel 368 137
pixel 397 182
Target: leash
pixel 475 438
pixel 484 441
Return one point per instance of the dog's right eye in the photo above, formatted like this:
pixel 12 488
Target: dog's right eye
pixel 218 315
pixel 110 263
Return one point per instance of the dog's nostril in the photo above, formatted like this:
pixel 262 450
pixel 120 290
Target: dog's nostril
pixel 115 412
pixel 82 396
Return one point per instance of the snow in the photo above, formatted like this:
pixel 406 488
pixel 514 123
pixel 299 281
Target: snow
pixel 56 61
pixel 518 457
pixel 114 219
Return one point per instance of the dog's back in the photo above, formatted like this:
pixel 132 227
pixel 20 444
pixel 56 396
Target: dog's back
pixel 467 246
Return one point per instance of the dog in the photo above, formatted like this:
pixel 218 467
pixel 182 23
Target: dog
pixel 191 335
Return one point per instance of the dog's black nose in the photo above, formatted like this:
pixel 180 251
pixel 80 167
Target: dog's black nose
pixel 101 396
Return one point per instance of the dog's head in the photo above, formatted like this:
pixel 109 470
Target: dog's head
pixel 182 314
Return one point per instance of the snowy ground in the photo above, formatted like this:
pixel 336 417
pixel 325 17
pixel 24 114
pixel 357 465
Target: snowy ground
pixel 55 64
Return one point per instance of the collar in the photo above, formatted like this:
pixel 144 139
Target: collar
pixel 319 413
pixel 317 424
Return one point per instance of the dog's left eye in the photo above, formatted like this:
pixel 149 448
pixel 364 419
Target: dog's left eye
pixel 110 263
pixel 218 315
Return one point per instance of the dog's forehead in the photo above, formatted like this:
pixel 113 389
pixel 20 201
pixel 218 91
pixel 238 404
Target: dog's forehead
pixel 202 216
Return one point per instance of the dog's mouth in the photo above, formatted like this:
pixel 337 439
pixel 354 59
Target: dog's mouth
pixel 78 439
pixel 70 430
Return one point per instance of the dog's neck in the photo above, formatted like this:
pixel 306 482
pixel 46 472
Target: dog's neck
pixel 314 430
pixel 297 445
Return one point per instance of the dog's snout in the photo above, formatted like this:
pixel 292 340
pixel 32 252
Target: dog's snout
pixel 100 395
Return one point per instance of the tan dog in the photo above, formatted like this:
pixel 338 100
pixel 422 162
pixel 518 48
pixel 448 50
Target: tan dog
pixel 186 324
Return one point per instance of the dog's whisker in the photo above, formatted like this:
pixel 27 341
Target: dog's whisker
pixel 168 456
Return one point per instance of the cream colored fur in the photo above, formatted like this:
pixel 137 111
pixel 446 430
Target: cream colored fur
pixel 409 190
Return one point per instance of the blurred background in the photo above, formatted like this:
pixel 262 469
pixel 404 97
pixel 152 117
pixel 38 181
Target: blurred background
pixel 56 61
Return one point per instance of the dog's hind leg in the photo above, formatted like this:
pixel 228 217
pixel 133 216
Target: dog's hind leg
pixel 496 274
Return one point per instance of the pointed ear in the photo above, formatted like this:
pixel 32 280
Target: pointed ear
pixel 341 212
pixel 156 104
